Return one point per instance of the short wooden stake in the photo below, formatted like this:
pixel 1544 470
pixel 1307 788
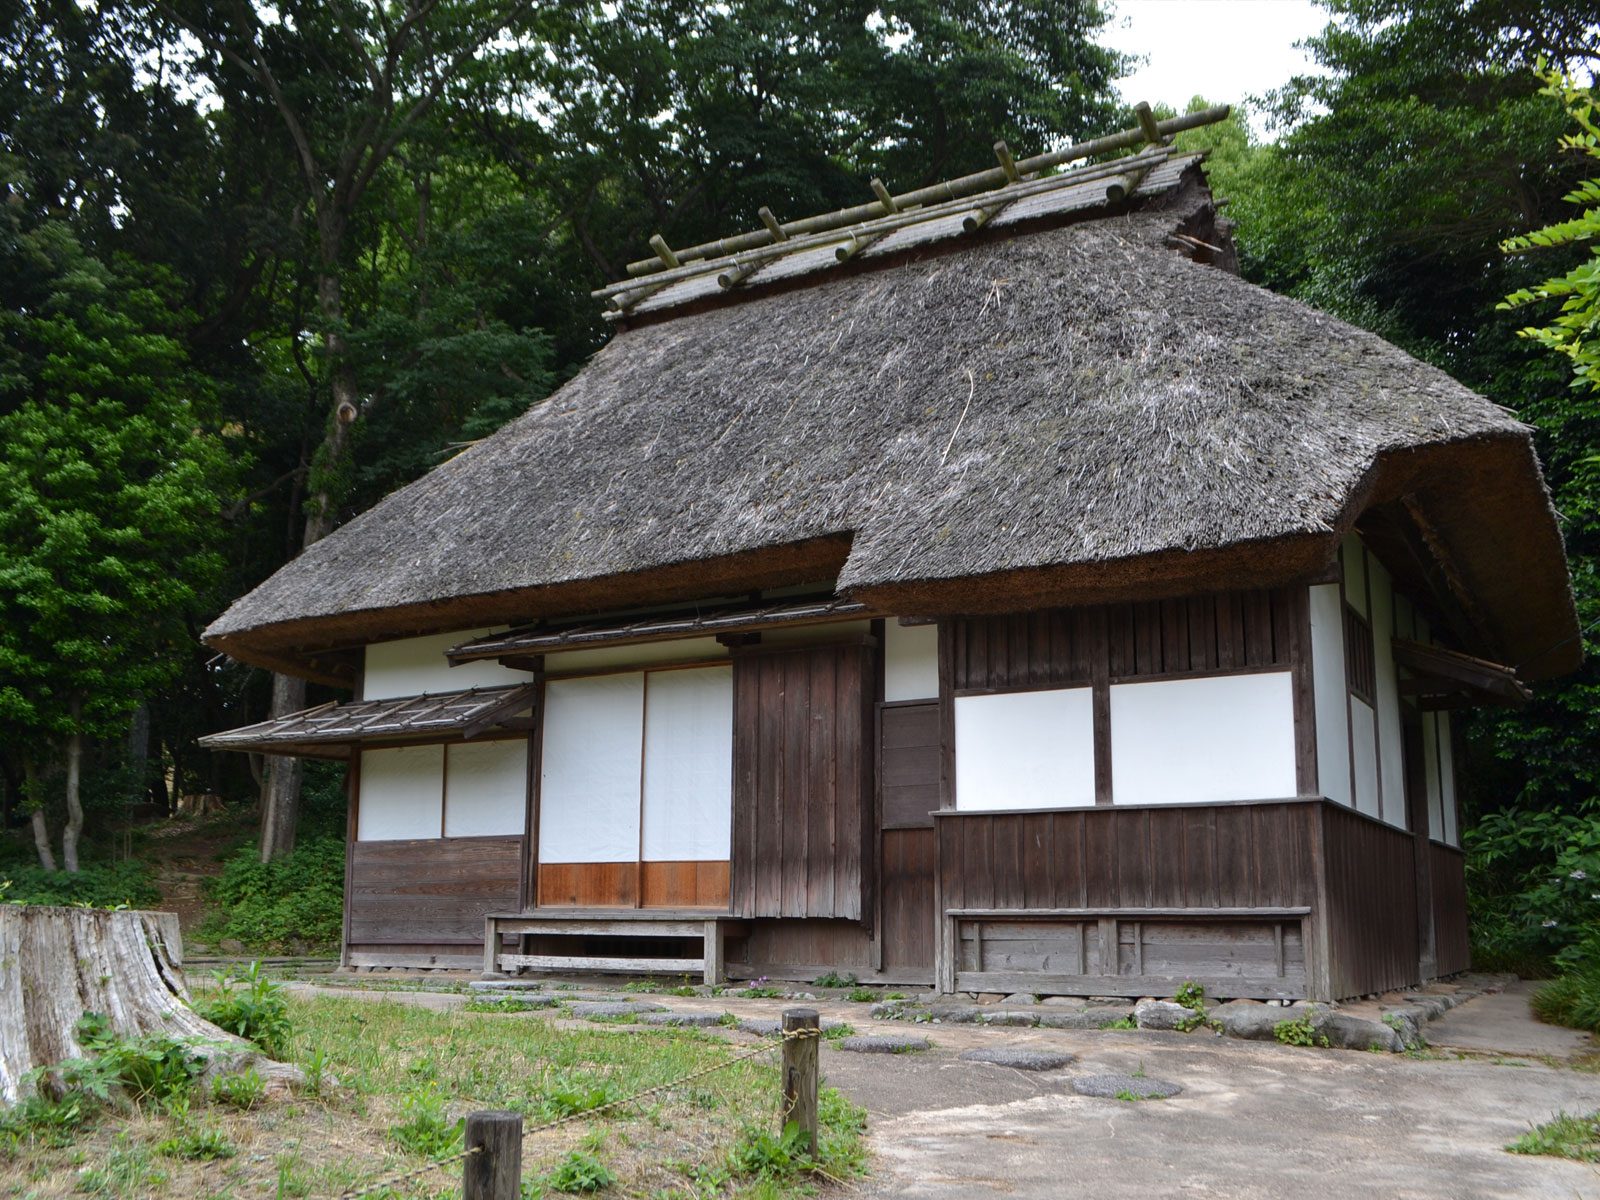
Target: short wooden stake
pixel 494 1172
pixel 802 1030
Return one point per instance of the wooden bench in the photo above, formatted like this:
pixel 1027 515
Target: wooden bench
pixel 711 928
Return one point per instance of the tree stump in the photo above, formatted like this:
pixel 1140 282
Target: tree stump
pixel 58 963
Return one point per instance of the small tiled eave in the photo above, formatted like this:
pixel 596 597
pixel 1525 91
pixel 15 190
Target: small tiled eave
pixel 333 730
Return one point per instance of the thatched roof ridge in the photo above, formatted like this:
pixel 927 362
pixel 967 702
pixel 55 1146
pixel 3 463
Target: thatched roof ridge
pixel 1037 418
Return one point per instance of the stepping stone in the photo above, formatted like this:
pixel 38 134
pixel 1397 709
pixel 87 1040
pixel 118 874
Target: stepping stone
pixel 1160 1014
pixel 698 1020
pixel 771 1027
pixel 505 985
pixel 1093 1018
pixel 1112 1086
pixel 884 1044
pixel 624 1008
pixel 1010 1019
pixel 1023 1058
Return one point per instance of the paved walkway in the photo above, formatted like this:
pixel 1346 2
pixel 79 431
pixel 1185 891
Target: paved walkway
pixel 1255 1121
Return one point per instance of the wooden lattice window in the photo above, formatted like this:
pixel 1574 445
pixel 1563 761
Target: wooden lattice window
pixel 1360 661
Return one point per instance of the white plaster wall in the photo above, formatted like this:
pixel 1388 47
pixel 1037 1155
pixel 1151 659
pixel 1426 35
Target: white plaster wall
pixel 910 661
pixel 1025 749
pixel 411 666
pixel 1447 781
pixel 688 765
pixel 1196 741
pixel 1364 742
pixel 1353 558
pixel 1391 764
pixel 401 793
pixel 589 769
pixel 1328 691
pixel 1430 754
pixel 486 788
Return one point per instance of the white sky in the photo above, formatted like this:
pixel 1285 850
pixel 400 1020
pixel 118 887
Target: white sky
pixel 1223 50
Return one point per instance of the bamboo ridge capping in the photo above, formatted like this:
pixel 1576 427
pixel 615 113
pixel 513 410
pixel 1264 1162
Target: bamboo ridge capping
pixel 966 185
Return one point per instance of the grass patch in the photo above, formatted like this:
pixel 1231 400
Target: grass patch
pixel 1563 1136
pixel 1572 1000
pixel 507 1004
pixel 405 1078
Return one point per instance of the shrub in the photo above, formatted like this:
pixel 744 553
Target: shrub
pixel 580 1172
pixel 96 885
pixel 152 1067
pixel 253 1007
pixel 298 898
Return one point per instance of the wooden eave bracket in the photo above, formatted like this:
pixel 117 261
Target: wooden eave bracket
pixel 514 703
pixel 1453 677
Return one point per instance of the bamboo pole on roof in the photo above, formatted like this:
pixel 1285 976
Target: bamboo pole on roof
pixel 1147 122
pixel 774 226
pixel 937 193
pixel 1007 163
pixel 880 225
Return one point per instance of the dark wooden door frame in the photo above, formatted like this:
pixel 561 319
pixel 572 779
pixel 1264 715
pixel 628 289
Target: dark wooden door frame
pixel 1413 757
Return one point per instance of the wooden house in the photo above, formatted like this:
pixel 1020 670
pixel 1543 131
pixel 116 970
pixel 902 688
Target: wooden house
pixel 983 587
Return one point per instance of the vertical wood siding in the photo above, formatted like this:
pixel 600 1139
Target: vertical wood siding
pixel 802 769
pixel 908 773
pixel 433 891
pixel 1449 872
pixel 1371 904
pixel 1233 631
pixel 906 913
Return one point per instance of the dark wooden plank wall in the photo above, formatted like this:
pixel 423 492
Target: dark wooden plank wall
pixel 432 891
pixel 1185 856
pixel 906 915
pixel 1233 631
pixel 802 781
pixel 1449 877
pixel 1370 911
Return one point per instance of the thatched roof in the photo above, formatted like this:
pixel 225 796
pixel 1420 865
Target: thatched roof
pixel 1031 417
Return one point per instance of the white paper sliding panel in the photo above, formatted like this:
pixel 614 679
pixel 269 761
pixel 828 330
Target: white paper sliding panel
pixel 486 789
pixel 1193 741
pixel 1391 767
pixel 910 661
pixel 1353 556
pixel 1430 755
pixel 1447 780
pixel 688 765
pixel 411 666
pixel 1025 750
pixel 1364 745
pixel 589 769
pixel 402 793
pixel 1328 691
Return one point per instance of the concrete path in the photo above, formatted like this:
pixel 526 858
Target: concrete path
pixel 1503 1024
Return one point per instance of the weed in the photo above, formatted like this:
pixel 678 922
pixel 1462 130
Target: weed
pixel 895 996
pixel 766 1155
pixel 839 1032
pixel 567 1096
pixel 1191 995
pixel 242 1090
pixel 1123 1023
pixel 126 1171
pixel 427 1130
pixel 1125 1094
pixel 508 1004
pixel 206 1144
pixel 317 1071
pixel 760 993
pixel 252 1006
pixel 832 979
pixel 1563 1136
pixel 152 1067
pixel 580 1172
pixel 641 985
pixel 863 995
pixel 1298 1032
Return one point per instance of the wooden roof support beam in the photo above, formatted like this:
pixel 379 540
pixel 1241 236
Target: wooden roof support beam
pixel 1486 682
pixel 1007 163
pixel 938 193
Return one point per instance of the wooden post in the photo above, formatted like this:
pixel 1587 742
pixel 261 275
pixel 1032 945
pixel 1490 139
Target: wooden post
pixel 495 1171
pixel 491 948
pixel 715 972
pixel 800 1071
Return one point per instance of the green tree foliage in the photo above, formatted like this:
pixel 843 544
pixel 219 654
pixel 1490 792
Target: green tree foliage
pixel 108 499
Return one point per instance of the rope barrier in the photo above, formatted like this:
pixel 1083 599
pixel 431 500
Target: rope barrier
pixel 390 1181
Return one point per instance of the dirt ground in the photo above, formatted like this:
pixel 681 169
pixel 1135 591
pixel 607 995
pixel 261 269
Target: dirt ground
pixel 1254 1120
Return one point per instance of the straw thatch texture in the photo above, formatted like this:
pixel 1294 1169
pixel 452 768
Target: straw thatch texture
pixel 1054 417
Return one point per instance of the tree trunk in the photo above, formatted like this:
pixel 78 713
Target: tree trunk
pixel 56 964
pixel 280 798
pixel 41 830
pixel 74 826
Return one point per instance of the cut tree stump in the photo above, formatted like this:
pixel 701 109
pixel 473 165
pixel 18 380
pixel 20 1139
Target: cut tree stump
pixel 56 964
